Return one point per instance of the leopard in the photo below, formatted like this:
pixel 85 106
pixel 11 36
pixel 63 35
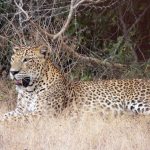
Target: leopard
pixel 43 88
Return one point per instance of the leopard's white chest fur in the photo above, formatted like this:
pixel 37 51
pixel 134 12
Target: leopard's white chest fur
pixel 27 100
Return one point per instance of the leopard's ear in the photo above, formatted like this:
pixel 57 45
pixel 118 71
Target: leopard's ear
pixel 16 48
pixel 43 50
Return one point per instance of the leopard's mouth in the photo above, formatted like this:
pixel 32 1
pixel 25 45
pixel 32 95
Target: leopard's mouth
pixel 22 82
pixel 18 82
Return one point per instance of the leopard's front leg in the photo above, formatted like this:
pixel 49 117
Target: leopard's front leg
pixel 20 113
pixel 15 115
pixel 11 115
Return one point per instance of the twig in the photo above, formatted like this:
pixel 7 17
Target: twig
pixel 41 30
pixel 63 29
pixel 86 59
pixel 139 18
pixel 7 39
pixel 79 3
pixel 22 10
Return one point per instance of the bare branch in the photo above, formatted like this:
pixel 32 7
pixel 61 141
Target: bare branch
pixel 73 5
pixel 139 18
pixel 78 3
pixel 67 22
pixel 41 30
pixel 87 59
pixel 20 5
pixel 7 39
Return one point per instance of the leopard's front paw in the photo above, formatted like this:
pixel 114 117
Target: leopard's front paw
pixel 2 118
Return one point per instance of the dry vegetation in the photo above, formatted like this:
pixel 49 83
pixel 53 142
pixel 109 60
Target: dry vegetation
pixel 94 133
pixel 7 95
pixel 89 39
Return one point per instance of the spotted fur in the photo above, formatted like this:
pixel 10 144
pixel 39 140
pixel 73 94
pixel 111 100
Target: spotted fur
pixel 42 88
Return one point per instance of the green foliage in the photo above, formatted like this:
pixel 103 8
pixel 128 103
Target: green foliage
pixel 121 51
pixel 4 6
pixel 96 32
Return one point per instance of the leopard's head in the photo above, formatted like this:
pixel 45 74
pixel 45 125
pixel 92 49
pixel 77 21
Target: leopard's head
pixel 26 64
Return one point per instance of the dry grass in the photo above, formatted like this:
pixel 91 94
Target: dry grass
pixel 90 133
pixel 7 96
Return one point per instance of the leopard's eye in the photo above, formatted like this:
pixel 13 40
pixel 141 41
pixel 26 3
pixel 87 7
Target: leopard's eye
pixel 25 60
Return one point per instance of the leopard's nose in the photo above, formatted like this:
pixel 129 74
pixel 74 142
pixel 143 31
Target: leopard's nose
pixel 14 72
